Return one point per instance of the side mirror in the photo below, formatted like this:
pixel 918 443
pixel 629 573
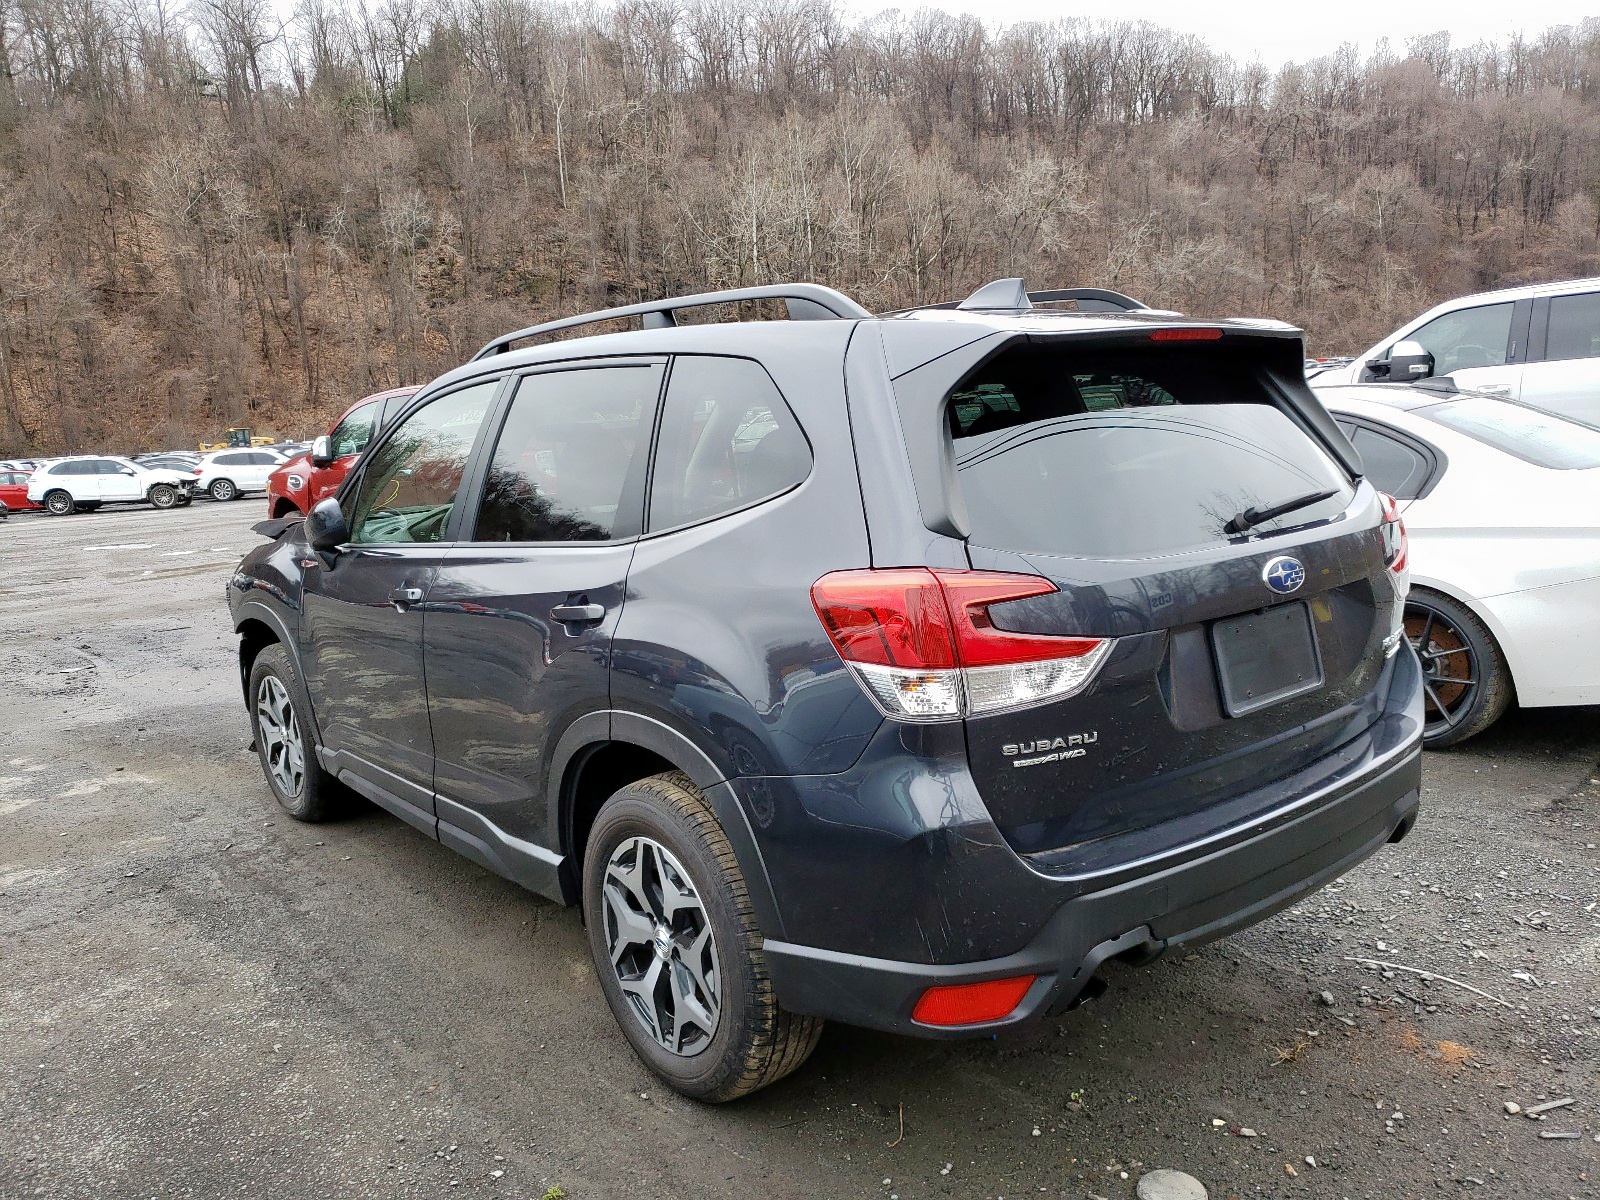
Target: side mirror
pixel 325 528
pixel 124 470
pixel 322 452
pixel 1409 361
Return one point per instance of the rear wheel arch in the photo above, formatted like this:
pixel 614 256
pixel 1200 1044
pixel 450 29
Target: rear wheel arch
pixel 602 753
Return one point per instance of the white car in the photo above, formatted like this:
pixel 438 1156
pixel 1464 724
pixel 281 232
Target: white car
pixel 1538 344
pixel 224 474
pixel 1502 505
pixel 84 482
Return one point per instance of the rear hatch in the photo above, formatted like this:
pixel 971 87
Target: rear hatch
pixel 1244 648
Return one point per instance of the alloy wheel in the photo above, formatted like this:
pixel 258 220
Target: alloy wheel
pixel 280 736
pixel 661 946
pixel 1451 672
pixel 59 503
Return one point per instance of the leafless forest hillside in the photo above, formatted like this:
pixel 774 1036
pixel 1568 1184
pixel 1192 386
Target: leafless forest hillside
pixel 210 217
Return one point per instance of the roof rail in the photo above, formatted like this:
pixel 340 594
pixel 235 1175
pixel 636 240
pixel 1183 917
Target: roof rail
pixel 806 302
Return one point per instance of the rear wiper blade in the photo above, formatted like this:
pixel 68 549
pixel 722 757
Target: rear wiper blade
pixel 1251 517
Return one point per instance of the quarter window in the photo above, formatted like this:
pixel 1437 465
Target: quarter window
pixel 1391 465
pixel 1574 327
pixel 1466 338
pixel 727 441
pixel 568 465
pixel 408 488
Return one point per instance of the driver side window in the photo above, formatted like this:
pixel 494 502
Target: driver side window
pixel 1466 338
pixel 409 486
pixel 354 432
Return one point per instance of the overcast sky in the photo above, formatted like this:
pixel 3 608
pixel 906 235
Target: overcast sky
pixel 1289 30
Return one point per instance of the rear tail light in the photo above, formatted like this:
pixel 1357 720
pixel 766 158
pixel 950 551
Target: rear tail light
pixel 1395 543
pixel 925 649
pixel 971 1003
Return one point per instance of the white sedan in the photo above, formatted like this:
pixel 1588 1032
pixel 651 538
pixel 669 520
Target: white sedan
pixel 1502 505
pixel 84 482
pixel 224 474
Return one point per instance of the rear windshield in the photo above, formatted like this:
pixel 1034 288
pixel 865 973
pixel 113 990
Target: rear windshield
pixel 1129 454
pixel 1541 438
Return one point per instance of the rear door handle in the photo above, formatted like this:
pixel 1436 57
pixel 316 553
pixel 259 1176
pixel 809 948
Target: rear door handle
pixel 568 614
pixel 402 597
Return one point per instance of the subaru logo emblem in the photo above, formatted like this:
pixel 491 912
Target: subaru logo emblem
pixel 1284 574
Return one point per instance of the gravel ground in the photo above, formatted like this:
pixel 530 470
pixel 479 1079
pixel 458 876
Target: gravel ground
pixel 203 998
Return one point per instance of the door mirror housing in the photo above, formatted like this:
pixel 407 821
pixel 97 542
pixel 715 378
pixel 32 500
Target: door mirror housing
pixel 1408 361
pixel 322 452
pixel 124 470
pixel 325 527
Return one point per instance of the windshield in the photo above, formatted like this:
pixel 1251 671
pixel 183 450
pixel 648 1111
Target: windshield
pixel 1541 438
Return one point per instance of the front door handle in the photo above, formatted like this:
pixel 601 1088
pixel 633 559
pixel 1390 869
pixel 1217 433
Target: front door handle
pixel 1495 389
pixel 569 614
pixel 402 597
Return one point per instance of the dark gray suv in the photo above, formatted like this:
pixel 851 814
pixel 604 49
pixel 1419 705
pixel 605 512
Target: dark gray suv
pixel 896 670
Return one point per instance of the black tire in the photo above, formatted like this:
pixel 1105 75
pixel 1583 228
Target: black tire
pixel 1468 685
pixel 163 495
pixel 755 1042
pixel 223 489
pixel 316 795
pixel 59 503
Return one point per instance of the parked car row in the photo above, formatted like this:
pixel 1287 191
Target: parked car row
pixel 85 482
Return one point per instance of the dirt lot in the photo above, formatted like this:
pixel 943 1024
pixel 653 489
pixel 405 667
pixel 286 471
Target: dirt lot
pixel 203 998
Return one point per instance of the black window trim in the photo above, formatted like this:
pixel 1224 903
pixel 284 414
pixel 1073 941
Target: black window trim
pixel 1436 459
pixel 650 481
pixel 470 497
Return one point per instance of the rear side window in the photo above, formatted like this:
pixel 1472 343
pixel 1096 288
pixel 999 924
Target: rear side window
pixel 1391 465
pixel 727 441
pixel 1574 327
pixel 569 465
pixel 1129 454
pixel 1541 438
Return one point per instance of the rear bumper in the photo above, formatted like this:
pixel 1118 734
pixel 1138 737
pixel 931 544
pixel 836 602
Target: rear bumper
pixel 1196 900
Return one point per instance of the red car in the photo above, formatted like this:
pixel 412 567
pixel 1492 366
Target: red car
pixel 14 491
pixel 299 484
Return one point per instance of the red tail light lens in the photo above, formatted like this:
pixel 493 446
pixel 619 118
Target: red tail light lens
pixel 925 649
pixel 1186 333
pixel 972 1003
pixel 1396 545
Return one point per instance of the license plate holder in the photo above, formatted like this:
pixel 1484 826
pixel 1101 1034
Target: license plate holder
pixel 1266 657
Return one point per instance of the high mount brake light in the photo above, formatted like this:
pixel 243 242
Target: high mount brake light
pixel 1396 545
pixel 1186 333
pixel 925 649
